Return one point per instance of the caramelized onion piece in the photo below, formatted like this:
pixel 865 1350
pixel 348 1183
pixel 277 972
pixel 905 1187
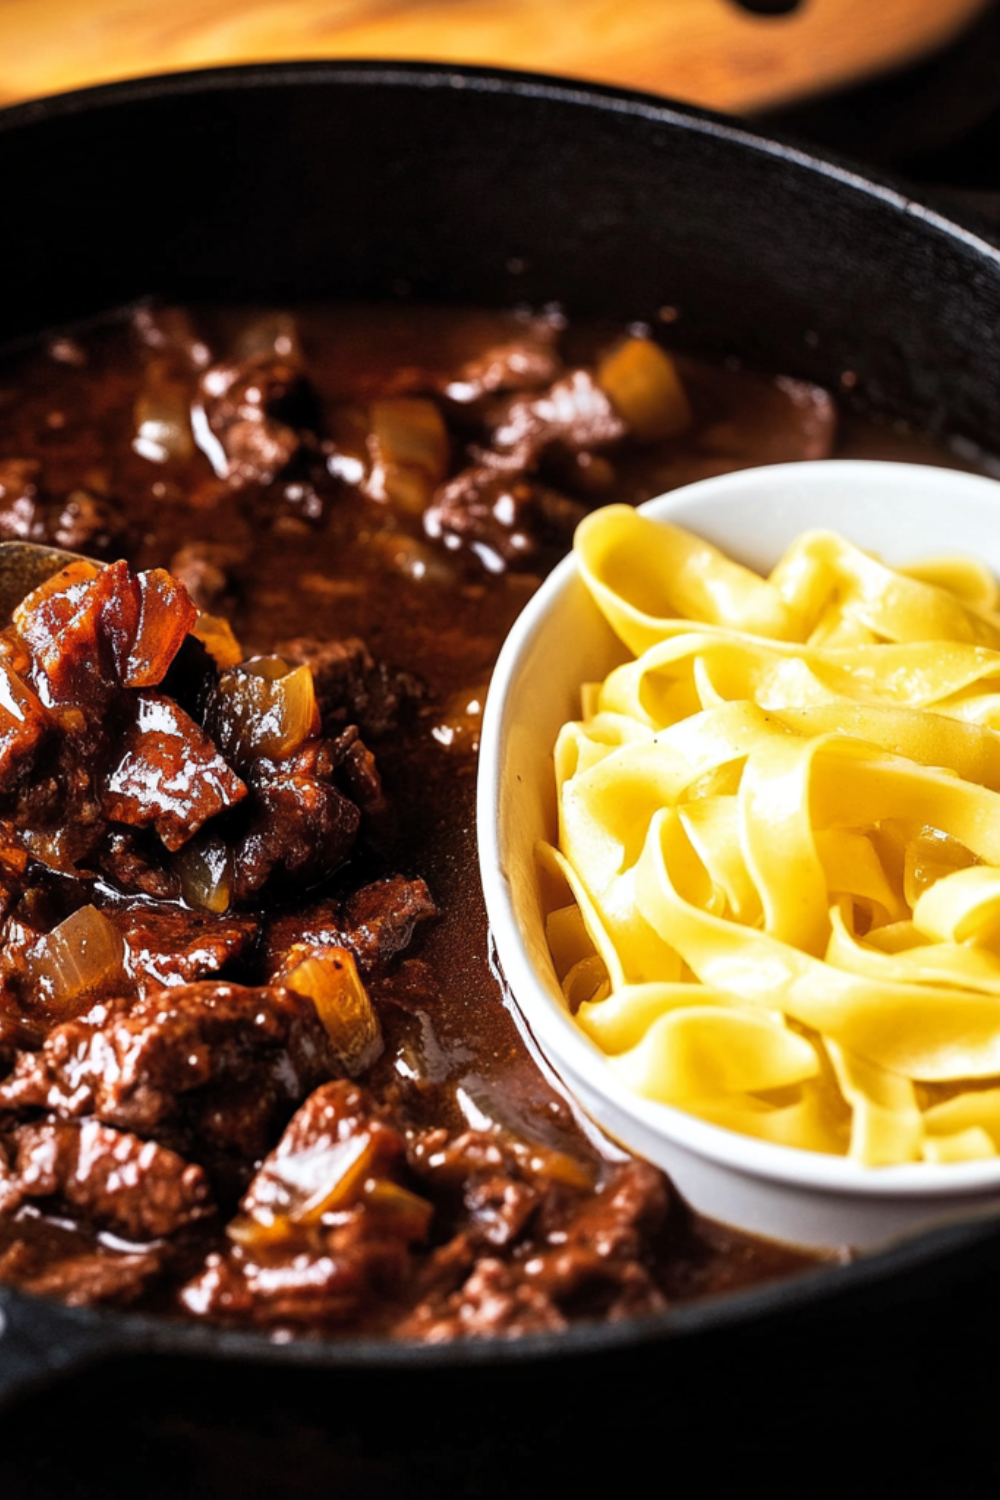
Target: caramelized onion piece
pixel 162 414
pixel 69 581
pixel 205 867
pixel 82 957
pixel 410 452
pixel 330 978
pixel 166 614
pixel 216 635
pixel 262 708
pixel 332 1179
pixel 642 381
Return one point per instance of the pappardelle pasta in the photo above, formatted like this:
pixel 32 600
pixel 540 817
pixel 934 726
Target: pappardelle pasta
pixel 779 842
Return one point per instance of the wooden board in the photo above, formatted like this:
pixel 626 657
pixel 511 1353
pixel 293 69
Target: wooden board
pixel 707 52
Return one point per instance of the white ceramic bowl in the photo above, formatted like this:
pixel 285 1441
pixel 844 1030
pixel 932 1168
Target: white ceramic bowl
pixel 902 512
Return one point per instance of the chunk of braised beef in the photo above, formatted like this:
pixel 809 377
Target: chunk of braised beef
pixel 574 411
pixel 504 517
pixel 353 688
pixel 533 1246
pixel 167 773
pixel 493 1300
pixel 111 1178
pixel 256 409
pixel 376 923
pixel 356 773
pixel 169 946
pixel 324 1231
pixel 210 1069
pixel 308 1161
pixel 599 1257
pixel 132 860
pixel 22 511
pixel 80 521
pixel 380 918
pixel 50 1259
pixel 55 803
pixel 89 523
pixel 321 1279
pixel 299 829
pixel 527 361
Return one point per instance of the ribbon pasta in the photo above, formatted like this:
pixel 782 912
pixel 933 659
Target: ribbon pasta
pixel 779 842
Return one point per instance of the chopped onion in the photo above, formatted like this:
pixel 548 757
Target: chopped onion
pixel 162 414
pixel 403 1213
pixel 410 452
pixel 262 708
pixel 330 978
pixel 205 867
pixel 216 635
pixel 82 957
pixel 69 580
pixel 642 381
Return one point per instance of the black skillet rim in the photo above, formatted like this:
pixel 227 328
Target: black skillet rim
pixel 46 1337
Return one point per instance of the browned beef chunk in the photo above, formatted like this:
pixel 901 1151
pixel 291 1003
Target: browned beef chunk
pixel 376 923
pixel 169 946
pixel 324 1279
pixel 21 509
pixel 209 1069
pixel 310 1165
pixel 255 409
pixel 351 687
pixel 494 1301
pixel 168 773
pixel 525 362
pixel 503 517
pixel 324 1231
pixel 575 412
pixel 357 776
pixel 498 509
pixel 52 1260
pixel 81 522
pixel 166 615
pixel 380 918
pixel 299 830
pixel 599 1257
pixel 134 865
pixel 110 1178
pixel 84 522
pixel 534 1248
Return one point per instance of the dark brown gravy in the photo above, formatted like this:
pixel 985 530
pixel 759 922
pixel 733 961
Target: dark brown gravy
pixel 307 554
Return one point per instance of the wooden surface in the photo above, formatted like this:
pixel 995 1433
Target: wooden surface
pixel 707 52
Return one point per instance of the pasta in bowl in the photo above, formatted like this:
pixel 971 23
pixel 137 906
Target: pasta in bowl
pixel 754 930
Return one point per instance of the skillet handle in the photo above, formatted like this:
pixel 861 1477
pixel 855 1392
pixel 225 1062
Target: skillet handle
pixel 40 1340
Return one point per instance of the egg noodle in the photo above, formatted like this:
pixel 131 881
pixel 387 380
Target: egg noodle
pixel 779 827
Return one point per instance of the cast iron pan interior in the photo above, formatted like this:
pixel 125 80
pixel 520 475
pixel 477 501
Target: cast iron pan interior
pixel 460 185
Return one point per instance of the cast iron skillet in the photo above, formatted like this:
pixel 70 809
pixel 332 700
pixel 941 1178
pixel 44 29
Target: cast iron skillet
pixel 461 185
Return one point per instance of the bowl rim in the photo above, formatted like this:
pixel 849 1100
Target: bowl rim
pixel 567 1049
